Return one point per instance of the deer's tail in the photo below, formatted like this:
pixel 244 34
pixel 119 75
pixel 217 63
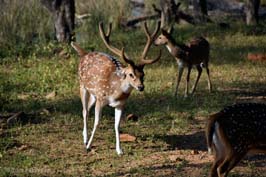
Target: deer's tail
pixel 210 130
pixel 81 52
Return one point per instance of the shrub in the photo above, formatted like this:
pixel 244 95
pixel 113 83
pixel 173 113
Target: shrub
pixel 23 23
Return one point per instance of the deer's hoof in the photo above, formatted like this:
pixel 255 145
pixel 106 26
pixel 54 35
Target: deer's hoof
pixel 87 150
pixel 119 152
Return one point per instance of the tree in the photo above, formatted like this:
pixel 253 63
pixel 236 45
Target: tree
pixel 200 9
pixel 252 12
pixel 168 12
pixel 203 7
pixel 64 18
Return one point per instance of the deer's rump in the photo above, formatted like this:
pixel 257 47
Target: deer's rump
pixel 243 125
pixel 198 50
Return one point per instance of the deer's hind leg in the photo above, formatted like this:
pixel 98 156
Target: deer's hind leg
pixel 229 163
pixel 88 101
pixel 187 80
pixel 209 79
pixel 218 160
pixel 197 80
pixel 178 77
pixel 98 114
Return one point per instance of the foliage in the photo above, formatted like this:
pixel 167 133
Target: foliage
pixel 24 23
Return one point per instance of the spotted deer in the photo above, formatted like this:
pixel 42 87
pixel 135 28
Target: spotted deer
pixel 233 132
pixel 105 81
pixel 195 53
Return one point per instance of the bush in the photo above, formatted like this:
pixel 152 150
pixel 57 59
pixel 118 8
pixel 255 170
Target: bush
pixel 26 24
pixel 23 23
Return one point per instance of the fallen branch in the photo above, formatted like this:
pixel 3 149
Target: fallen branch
pixel 82 16
pixel 133 21
pixel 17 117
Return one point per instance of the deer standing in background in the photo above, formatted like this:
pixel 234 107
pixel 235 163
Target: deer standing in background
pixel 105 81
pixel 195 53
pixel 233 132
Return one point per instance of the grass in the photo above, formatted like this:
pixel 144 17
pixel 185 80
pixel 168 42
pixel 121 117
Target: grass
pixel 170 138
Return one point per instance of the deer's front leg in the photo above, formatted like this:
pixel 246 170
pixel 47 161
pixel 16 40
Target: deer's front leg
pixel 187 80
pixel 197 80
pixel 118 114
pixel 178 78
pixel 84 100
pixel 209 80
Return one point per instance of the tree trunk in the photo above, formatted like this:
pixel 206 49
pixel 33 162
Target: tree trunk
pixel 252 12
pixel 169 8
pixel 200 8
pixel 203 7
pixel 170 14
pixel 64 18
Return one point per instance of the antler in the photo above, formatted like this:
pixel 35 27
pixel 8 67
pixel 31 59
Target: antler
pixel 150 39
pixel 106 39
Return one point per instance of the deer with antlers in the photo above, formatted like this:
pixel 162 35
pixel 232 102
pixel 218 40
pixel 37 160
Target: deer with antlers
pixel 233 132
pixel 105 81
pixel 195 53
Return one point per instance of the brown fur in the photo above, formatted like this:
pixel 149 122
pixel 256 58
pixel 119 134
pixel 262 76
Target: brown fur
pixel 195 53
pixel 105 81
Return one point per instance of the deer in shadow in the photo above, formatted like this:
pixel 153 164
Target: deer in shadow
pixel 233 132
pixel 194 53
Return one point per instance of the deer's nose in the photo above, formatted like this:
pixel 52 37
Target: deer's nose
pixel 141 88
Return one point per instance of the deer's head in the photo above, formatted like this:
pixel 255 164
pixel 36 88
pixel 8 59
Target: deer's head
pixel 164 37
pixel 133 73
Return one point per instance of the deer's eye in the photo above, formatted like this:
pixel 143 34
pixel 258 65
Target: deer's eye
pixel 131 75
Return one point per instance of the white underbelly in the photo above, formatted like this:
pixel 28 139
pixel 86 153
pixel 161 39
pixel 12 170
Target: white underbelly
pixel 114 103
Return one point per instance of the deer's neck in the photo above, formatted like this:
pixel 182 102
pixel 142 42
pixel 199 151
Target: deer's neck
pixel 178 50
pixel 125 87
pixel 120 94
pixel 120 91
pixel 120 86
pixel 173 48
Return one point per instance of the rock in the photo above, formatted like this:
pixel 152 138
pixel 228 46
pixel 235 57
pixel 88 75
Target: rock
pixel 194 152
pixel 51 95
pixel 23 96
pixel 17 117
pixel 23 147
pixel 127 138
pixel 256 56
pixel 132 117
pixel 173 158
pixel 64 54
pixel 45 111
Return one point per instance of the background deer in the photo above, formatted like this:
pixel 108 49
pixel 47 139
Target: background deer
pixel 105 81
pixel 195 53
pixel 233 132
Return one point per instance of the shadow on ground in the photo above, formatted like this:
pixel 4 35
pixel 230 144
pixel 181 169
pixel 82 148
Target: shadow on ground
pixel 195 141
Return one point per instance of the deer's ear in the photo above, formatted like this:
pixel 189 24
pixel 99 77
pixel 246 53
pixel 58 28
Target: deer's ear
pixel 164 32
pixel 170 30
pixel 123 73
pixel 140 67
